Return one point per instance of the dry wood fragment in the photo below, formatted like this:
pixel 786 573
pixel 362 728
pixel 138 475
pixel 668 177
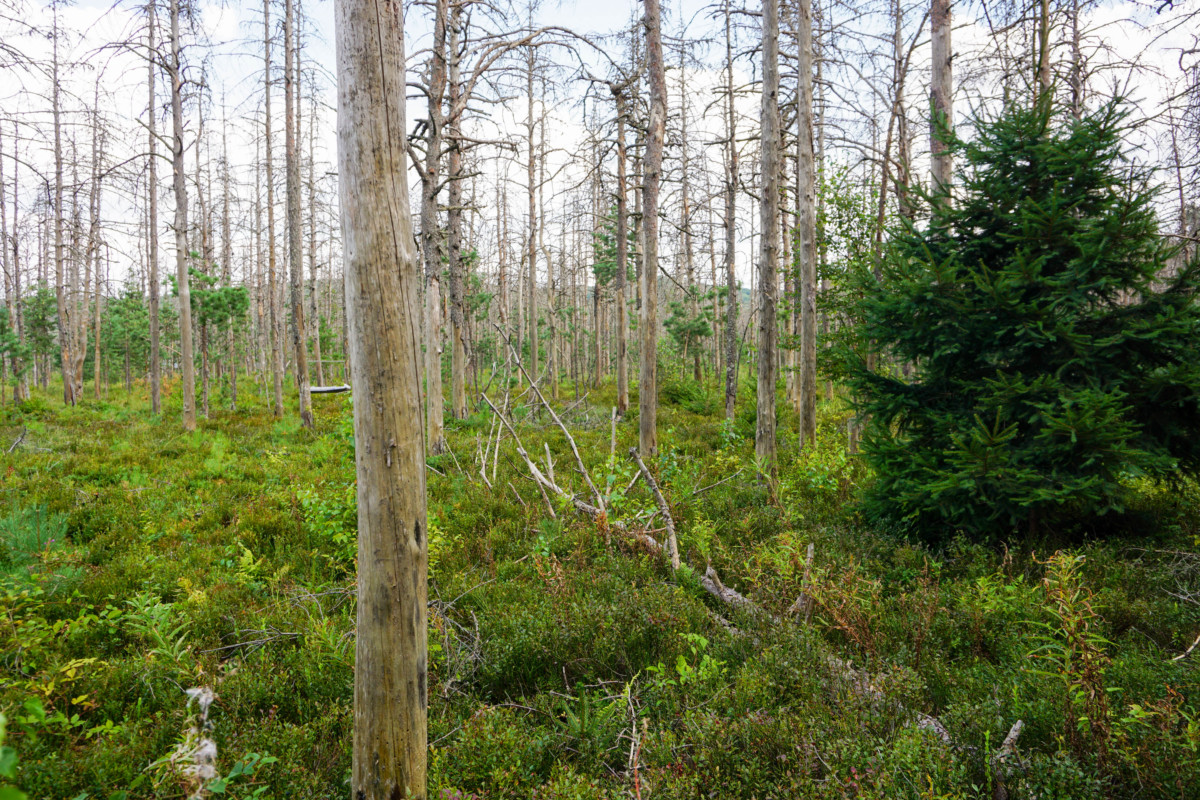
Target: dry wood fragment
pixel 672 542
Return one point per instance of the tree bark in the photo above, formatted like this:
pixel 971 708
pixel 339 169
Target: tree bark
pixel 181 271
pixel 768 266
pixel 622 258
pixel 941 88
pixel 152 280
pixel 648 384
pixel 454 224
pixel 273 337
pixel 806 200
pixel 383 334
pixel 431 236
pixel 731 178
pixel 295 235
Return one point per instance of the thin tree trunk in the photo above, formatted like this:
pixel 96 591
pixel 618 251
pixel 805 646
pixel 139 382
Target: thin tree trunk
pixel 273 310
pixel 622 258
pixel 431 236
pixel 941 89
pixel 768 282
pixel 648 384
pixel 181 271
pixel 531 248
pixel 806 179
pixel 152 203
pixel 731 179
pixel 295 235
pixel 64 314
pixel 454 224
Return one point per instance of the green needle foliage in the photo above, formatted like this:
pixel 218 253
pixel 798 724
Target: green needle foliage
pixel 1051 334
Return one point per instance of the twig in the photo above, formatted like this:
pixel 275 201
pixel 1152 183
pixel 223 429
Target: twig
pixel 20 438
pixel 804 604
pixel 570 439
pixel 672 542
pixel 1187 652
pixel 1008 749
pixel 718 483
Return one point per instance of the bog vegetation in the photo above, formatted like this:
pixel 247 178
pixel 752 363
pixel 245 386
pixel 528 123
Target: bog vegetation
pixel 566 660
pixel 914 516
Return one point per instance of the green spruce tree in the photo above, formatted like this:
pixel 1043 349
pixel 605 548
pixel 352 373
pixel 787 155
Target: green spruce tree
pixel 1052 337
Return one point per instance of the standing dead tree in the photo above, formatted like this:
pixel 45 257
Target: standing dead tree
pixel 383 332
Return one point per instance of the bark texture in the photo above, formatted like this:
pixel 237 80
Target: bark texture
pixel 384 337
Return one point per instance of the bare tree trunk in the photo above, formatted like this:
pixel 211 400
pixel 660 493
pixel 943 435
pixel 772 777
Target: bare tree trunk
pixel 731 179
pixel 806 179
pixel 1043 64
pixel 648 384
pixel 273 310
pixel 431 236
pixel 382 313
pixel 686 215
pixel 314 320
pixel 768 266
pixel 60 290
pixel 454 224
pixel 181 272
pixel 1077 65
pixel 152 203
pixel 531 248
pixel 295 235
pixel 941 89
pixel 502 247
pixel 622 258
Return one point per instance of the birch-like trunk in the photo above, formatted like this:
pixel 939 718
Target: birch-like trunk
pixel 941 87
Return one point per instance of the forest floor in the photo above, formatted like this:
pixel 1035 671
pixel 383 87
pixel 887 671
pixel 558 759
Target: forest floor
pixel 567 660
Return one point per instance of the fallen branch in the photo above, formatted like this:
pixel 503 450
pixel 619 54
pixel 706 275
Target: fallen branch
pixel 1000 759
pixel 1187 652
pixel 20 438
pixel 583 470
pixel 804 603
pixel 672 542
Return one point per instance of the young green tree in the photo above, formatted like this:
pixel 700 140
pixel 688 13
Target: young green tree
pixel 1052 353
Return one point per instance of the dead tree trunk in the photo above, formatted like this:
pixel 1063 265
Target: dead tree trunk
pixel 941 87
pixel 273 337
pixel 648 384
pixel 188 367
pixel 731 179
pixel 806 178
pixel 431 237
pixel 622 257
pixel 768 266
pixel 152 203
pixel 383 334
pixel 295 240
pixel 454 224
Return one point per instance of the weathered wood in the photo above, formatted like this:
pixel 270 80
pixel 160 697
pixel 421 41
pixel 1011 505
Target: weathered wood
pixel 652 178
pixel 768 259
pixel 383 334
pixel 663 507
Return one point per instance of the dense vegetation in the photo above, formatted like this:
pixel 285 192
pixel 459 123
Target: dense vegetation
pixel 1051 332
pixel 568 662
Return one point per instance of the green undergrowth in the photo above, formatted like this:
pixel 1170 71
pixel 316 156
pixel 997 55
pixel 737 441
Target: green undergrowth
pixel 566 661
